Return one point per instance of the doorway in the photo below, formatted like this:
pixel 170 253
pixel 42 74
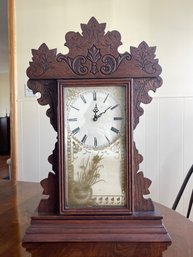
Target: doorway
pixel 7 92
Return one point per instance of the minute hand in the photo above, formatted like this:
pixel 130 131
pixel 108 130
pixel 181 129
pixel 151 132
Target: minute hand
pixel 100 114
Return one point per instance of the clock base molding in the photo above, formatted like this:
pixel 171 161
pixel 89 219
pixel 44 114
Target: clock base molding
pixel 96 249
pixel 128 229
pixel 135 236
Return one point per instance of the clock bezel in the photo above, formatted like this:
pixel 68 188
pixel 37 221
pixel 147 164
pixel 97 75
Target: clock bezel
pixel 103 210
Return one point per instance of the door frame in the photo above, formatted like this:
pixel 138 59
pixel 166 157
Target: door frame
pixel 12 83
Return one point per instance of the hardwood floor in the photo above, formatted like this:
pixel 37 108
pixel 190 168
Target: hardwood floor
pixel 4 169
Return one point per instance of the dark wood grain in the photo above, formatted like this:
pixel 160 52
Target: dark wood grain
pixel 18 202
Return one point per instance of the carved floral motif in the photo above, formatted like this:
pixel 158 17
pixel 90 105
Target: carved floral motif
pixel 141 87
pixel 94 62
pixel 142 185
pixel 43 60
pixel 48 90
pixel 144 57
pixel 90 48
pixel 91 53
pixel 93 56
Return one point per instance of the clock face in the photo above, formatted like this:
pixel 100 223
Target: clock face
pixel 94 143
pixel 95 118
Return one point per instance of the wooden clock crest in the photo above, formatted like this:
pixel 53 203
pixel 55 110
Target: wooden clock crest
pixel 94 93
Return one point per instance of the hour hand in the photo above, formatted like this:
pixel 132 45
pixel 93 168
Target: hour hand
pixel 95 110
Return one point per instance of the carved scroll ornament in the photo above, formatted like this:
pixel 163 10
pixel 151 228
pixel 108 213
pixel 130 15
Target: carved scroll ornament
pixel 93 54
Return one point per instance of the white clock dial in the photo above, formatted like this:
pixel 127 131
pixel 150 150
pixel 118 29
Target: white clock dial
pixel 95 118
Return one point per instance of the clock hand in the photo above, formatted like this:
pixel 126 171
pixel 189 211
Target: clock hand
pixel 95 110
pixel 100 114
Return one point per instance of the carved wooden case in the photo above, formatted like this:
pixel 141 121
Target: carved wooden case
pixel 93 60
pixel 94 55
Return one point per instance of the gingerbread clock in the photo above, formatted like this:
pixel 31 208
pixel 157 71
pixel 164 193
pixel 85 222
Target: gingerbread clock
pixel 95 193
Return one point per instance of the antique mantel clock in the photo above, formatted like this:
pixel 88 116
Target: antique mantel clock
pixel 96 191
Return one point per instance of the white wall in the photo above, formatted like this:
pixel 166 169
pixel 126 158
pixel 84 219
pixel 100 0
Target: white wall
pixel 164 135
pixel 164 139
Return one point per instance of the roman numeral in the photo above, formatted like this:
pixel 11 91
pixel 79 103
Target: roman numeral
pixel 95 142
pixel 115 130
pixel 117 118
pixel 107 139
pixel 76 130
pixel 72 119
pixel 74 108
pixel 105 98
pixel 83 99
pixel 84 139
pixel 94 96
pixel 114 106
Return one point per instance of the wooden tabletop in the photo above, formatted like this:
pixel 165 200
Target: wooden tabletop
pixel 18 202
